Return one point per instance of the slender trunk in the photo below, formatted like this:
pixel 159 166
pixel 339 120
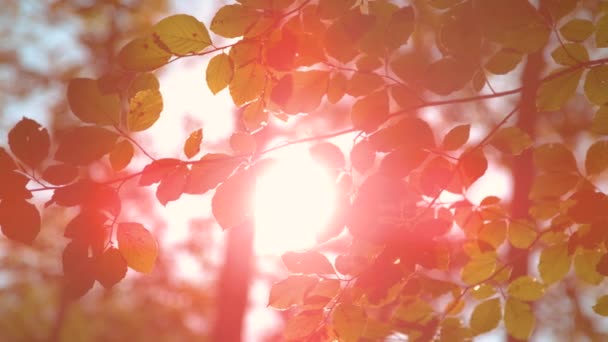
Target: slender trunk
pixel 233 284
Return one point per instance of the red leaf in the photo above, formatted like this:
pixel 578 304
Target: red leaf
pixel 30 142
pixel 110 268
pixel 327 154
pixel 20 220
pixel 157 170
pixel 172 186
pixel 6 161
pixel 60 174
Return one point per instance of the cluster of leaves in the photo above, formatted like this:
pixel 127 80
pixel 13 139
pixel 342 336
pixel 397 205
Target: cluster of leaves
pixel 288 58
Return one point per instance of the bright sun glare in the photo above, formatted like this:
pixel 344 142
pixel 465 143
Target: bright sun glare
pixel 294 201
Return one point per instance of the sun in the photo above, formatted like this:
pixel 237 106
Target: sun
pixel 294 201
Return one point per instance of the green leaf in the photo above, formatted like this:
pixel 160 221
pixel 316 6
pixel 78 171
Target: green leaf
pixel 247 83
pixel 307 263
pixel 480 268
pixel 144 109
pixel 596 85
pixel 29 142
pixel 19 220
pixel 192 146
pixel 60 174
pixel 570 54
pixel 219 72
pixel 526 288
pixel 181 34
pixel 599 125
pixel 504 61
pixel 349 322
pixel 554 157
pixel 577 30
pixel 585 266
pixel 211 170
pixel 596 160
pixel 85 144
pixel 601 306
pixel 303 325
pixel 601 32
pixel 90 104
pixel 456 137
pixel 121 155
pixel 301 91
pixel 371 111
pixel 552 185
pixel 554 93
pixel 511 140
pixel 231 203
pixel 486 316
pixel 290 291
pixel 110 267
pixel 521 233
pixel 137 246
pixel 327 154
pixel 233 21
pixel 172 186
pixel 554 263
pixel 142 54
pixel 519 319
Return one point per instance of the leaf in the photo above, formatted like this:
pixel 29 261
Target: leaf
pixel 414 310
pixel 503 61
pixel 172 186
pixel 144 109
pixel 486 316
pixel 472 165
pixel 577 30
pixel 585 266
pixel 570 54
pixel 247 83
pixel 231 203
pixel 599 125
pixel 142 54
pixel 121 155
pixel 157 170
pixel 596 85
pixel 554 263
pixel 255 116
pixel 303 325
pixel 552 185
pixel 336 87
pixel 328 155
pixel 343 35
pixel 511 140
pixel 29 142
pixel 456 137
pixel 559 8
pixel 447 75
pixel 330 9
pixel 110 268
pixel 290 291
pixel 77 270
pixel 601 32
pixel 19 220
pixel 493 232
pixel 349 322
pixel 601 306
pixel 219 72
pixel 242 143
pixel 307 263
pixel 526 288
pixel 553 93
pixel 6 161
pixel 596 160
pixel 211 170
pixel 479 268
pixel 554 157
pixel 90 104
pixel 300 91
pixel 519 319
pixel 483 291
pixel 400 27
pixel 362 84
pixel 145 81
pixel 181 34
pixel 521 234
pixel 137 246
pixel 233 21
pixel 192 146
pixel 371 111
pixel 362 156
pixel 60 174
pixel 85 144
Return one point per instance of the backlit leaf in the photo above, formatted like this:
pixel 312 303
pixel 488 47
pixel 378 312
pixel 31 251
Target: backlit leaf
pixel 301 91
pixel 337 87
pixel 303 325
pixel 29 142
pixel 503 61
pixel 219 72
pixel 211 170
pixel 192 146
pixel 327 154
pixel 144 109
pixel 447 75
pixel 90 104
pixel 307 263
pixel 6 161
pixel 60 174
pixel 173 184
pixel 526 288
pixel 511 140
pixel 472 165
pixel 554 93
pixel 371 111
pixel 577 30
pixel 596 160
pixel 290 291
pixel 231 204
pixel 479 268
pixel 362 84
pixel 143 81
pixel 349 322
pixel 121 155
pixel 554 263
pixel 247 83
pixel 329 9
pixel 493 232
pixel 552 185
pixel 601 32
pixel 486 316
pixel 242 143
pixel 596 85
pixel 570 54
pixel 142 54
pixel 456 137
pixel 599 125
pixel 601 306
pixel 554 157
pixel 110 267
pixel 19 220
pixel 232 21
pixel 255 116
pixel 363 156
pixel 181 34
pixel 341 38
pixel 521 233
pixel 137 246
pixel 157 170
pixel 519 319
pixel 585 264
pixel 400 27
pixel 85 144
pixel 483 291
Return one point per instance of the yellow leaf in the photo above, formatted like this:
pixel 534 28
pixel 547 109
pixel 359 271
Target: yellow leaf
pixel 601 32
pixel 493 232
pixel 480 268
pixel 303 325
pixel 255 116
pixel 414 310
pixel 554 263
pixel 596 160
pixel 233 21
pixel 503 61
pixel 526 288
pixel 486 316
pixel 552 94
pixel 121 155
pixel 349 322
pixel 599 125
pixel 456 137
pixel 137 246
pixel 552 185
pixel 247 83
pixel 596 85
pixel 219 72
pixel 144 109
pixel 554 157
pixel 577 30
pixel 143 81
pixel 181 34
pixel 601 306
pixel 511 140
pixel 142 54
pixel 376 330
pixel 519 319
pixel 521 233
pixel 570 54
pixel 371 111
pixel 244 52
pixel 90 104
pixel 585 263
pixel 192 146
pixel 290 291
pixel 483 291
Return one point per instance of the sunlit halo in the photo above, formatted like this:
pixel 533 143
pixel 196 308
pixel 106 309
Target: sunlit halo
pixel 294 201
